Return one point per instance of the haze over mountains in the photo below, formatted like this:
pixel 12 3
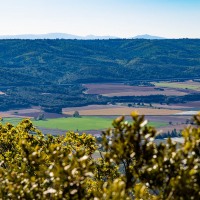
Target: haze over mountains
pixel 150 37
pixel 70 36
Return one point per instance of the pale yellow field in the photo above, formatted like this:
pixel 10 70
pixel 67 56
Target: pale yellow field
pixel 19 113
pixel 123 111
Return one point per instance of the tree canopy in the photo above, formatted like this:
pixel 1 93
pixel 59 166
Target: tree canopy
pixel 130 165
pixel 36 62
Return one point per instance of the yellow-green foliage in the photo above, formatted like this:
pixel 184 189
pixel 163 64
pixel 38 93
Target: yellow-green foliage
pixel 132 166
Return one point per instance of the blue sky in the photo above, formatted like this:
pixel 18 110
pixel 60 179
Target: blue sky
pixel 124 18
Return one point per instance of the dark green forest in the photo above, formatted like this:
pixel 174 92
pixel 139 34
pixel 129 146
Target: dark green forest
pixel 51 98
pixel 32 67
pixel 30 62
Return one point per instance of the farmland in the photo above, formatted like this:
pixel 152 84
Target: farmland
pixel 118 110
pixel 95 118
pixel 12 120
pixel 166 116
pixel 187 85
pixel 83 123
pixel 111 90
pixel 75 124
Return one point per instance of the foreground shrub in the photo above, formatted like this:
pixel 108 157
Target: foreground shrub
pixel 130 166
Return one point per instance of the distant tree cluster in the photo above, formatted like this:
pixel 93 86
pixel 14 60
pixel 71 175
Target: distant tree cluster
pixel 51 98
pixel 169 134
pixel 76 114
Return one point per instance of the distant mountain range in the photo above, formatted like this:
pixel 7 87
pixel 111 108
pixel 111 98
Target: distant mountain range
pixel 56 36
pixel 150 37
pixel 72 37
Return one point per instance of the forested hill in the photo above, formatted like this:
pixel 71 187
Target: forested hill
pixel 24 62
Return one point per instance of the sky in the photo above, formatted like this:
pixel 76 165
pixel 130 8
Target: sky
pixel 122 18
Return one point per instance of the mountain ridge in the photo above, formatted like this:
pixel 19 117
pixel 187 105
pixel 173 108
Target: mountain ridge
pixel 56 36
pixel 149 37
pixel 74 37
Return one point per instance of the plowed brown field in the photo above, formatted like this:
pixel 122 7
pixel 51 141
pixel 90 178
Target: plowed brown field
pixel 111 90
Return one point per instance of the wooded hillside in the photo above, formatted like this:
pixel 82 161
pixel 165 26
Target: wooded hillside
pixel 34 62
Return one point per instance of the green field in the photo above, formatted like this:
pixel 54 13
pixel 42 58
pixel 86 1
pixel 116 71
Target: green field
pixel 83 123
pixel 177 85
pixel 158 124
pixel 74 124
pixel 12 120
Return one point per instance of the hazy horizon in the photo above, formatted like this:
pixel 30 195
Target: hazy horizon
pixel 55 33
pixel 120 18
